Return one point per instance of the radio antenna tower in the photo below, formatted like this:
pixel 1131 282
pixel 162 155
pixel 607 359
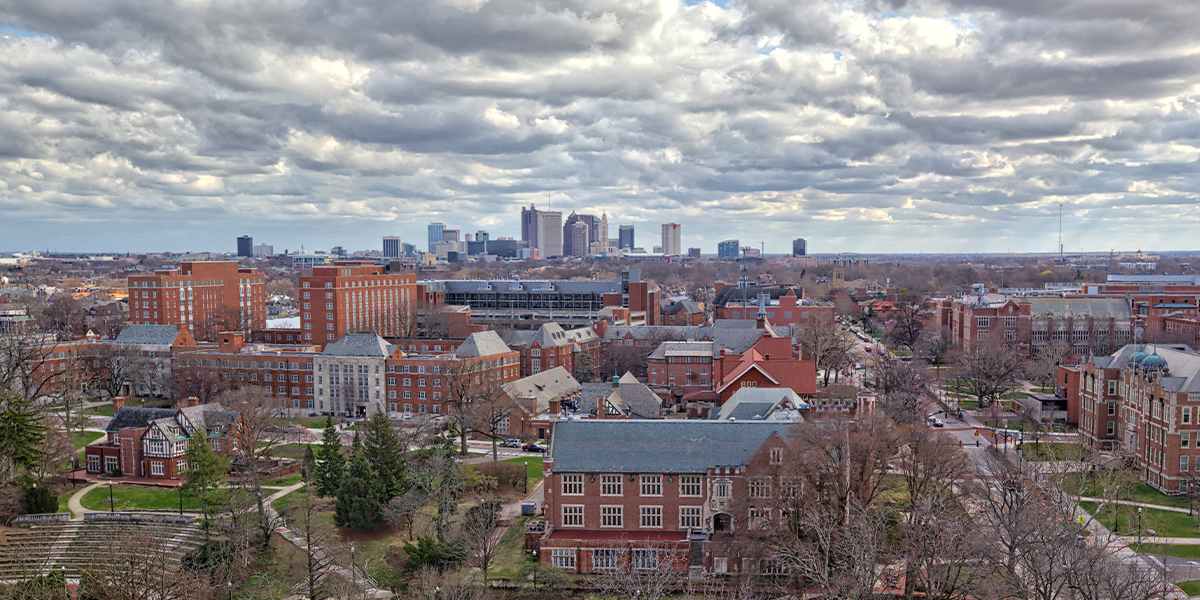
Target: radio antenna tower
pixel 1061 260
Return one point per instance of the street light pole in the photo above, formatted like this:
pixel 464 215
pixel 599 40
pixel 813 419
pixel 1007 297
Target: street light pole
pixel 1139 527
pixel 527 476
pixel 353 572
pixel 229 584
pixel 110 499
pixel 180 488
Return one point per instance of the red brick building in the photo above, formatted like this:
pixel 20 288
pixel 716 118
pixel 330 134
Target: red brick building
pixel 782 305
pixel 1087 325
pixel 285 372
pixel 212 295
pixel 356 297
pixel 421 382
pixel 152 442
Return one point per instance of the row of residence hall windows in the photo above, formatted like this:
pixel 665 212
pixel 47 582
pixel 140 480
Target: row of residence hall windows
pixel 157 467
pixel 649 517
pixel 607 559
pixel 648 485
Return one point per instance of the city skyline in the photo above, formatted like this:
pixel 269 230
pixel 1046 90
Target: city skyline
pixel 937 127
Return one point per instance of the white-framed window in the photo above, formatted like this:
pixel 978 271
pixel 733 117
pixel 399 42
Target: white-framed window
pixel 760 487
pixel 1010 322
pixel 1187 415
pixel 651 517
pixel 610 485
pixel 1183 463
pixel 760 518
pixel 572 515
pixel 110 464
pixel 1111 427
pixel 563 558
pixel 612 516
pixel 645 560
pixel 604 559
pixel 1112 387
pixel 156 467
pixel 651 485
pixel 982 321
pixel 93 463
pixel 572 485
pixel 1185 439
pixel 1112 408
pixel 689 516
pixel 776 456
pixel 689 485
pixel 722 489
pixel 181 465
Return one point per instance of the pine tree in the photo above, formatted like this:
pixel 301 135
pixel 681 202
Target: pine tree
pixel 308 466
pixel 21 432
pixel 357 502
pixel 585 368
pixel 207 470
pixel 331 463
pixel 385 457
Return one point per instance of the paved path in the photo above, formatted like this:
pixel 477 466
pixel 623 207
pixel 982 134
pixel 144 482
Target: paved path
pixel 77 509
pixel 1103 501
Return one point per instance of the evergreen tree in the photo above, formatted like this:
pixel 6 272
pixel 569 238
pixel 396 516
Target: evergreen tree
pixel 357 502
pixel 585 367
pixel 385 457
pixel 21 433
pixel 206 471
pixel 331 463
pixel 308 466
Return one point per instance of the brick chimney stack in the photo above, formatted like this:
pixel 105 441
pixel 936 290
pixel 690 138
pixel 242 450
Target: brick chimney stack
pixel 118 402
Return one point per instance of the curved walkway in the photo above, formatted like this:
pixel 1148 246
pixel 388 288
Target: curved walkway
pixel 1103 501
pixel 73 503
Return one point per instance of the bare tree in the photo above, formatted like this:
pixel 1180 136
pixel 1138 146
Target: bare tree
pixel 479 534
pixel 401 512
pixel 261 428
pixel 64 317
pixel 644 572
pixel 23 359
pixel 464 378
pixel 908 321
pixel 988 372
pixel 823 341
pixel 902 386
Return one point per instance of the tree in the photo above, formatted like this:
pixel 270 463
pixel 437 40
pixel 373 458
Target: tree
pixel 585 367
pixel 385 456
pixel 112 366
pixel 1044 361
pixel 491 411
pixel 902 387
pixel 64 317
pixel 357 502
pixel 23 358
pixel 401 512
pixel 989 371
pixel 22 433
pixel 206 471
pixel 441 478
pixel 463 380
pixel 261 429
pixel 331 462
pixel 824 342
pixel 908 321
pixel 479 525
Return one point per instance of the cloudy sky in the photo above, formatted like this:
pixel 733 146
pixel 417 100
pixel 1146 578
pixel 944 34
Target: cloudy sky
pixel 868 125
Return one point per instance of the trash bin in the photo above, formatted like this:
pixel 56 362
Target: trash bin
pixel 528 509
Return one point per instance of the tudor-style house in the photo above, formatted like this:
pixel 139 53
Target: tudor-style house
pixel 152 442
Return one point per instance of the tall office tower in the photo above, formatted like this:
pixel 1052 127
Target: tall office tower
pixel 435 235
pixel 529 225
pixel 245 246
pixel 408 249
pixel 728 249
pixel 356 297
pixel 391 246
pixel 601 233
pixel 569 247
pixel 625 239
pixel 672 242
pixel 799 247
pixel 450 235
pixel 550 230
pixel 575 239
pixel 481 236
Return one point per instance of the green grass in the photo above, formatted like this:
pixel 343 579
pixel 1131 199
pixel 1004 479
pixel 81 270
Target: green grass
pixel 1176 550
pixel 63 501
pixel 1135 492
pixel 290 500
pixel 533 472
pixel 83 438
pixel 284 481
pixel 308 422
pixel 291 450
pixel 1054 451
pixel 129 498
pixel 511 556
pixel 1163 522
pixel 1191 588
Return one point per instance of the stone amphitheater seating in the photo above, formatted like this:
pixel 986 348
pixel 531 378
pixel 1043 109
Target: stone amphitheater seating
pixel 77 546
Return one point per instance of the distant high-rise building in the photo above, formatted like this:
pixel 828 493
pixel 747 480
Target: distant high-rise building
pixel 543 230
pixel 625 239
pixel 435 235
pixel 408 249
pixel 264 250
pixel 245 246
pixel 569 242
pixel 799 247
pixel 601 233
pixel 450 235
pixel 693 253
pixel 672 242
pixel 728 249
pixel 391 246
pixel 481 236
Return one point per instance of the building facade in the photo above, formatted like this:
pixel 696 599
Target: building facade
pixel 245 246
pixel 199 293
pixel 728 249
pixel 391 246
pixel 356 297
pixel 799 247
pixel 672 239
pixel 625 240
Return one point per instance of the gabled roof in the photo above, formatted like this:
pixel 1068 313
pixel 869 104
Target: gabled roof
pixel 550 335
pixel 137 417
pixel 212 417
pixel 543 387
pixel 671 307
pixel 148 335
pixel 482 343
pixel 367 345
pixel 518 338
pixel 747 404
pixel 670 349
pixel 630 399
pixel 656 446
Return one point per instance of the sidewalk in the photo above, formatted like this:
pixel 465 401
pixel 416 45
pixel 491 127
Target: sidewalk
pixel 1103 501
pixel 77 509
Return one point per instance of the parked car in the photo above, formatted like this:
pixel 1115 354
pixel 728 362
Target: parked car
pixel 533 448
pixel 939 423
pixel 511 443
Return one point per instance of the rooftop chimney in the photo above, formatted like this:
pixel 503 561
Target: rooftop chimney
pixel 118 403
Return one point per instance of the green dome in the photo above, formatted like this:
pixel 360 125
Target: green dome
pixel 1154 362
pixel 1137 357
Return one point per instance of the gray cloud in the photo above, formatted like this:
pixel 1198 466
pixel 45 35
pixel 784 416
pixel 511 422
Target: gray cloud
pixel 950 124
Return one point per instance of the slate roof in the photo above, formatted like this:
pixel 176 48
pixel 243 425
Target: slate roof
pixel 550 335
pixel 215 421
pixel 137 417
pixel 543 387
pixel 733 293
pixel 360 344
pixel 1100 308
pixel 630 399
pixel 656 446
pixel 482 343
pixel 748 403
pixel 667 349
pixel 735 340
pixel 671 307
pixel 518 339
pixel 148 335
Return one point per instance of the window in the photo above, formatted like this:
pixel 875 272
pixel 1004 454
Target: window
pixel 1112 408
pixel 93 463
pixel 1183 463
pixel 156 467
pixel 1111 427
pixel 982 321
pixel 604 559
pixel 689 516
pixel 689 485
pixel 610 516
pixel 760 488
pixel 563 558
pixel 652 517
pixel 722 490
pixel 1112 387
pixel 1187 415
pixel 645 560
pixel 572 515
pixel 610 485
pixel 1185 439
pixel 776 456
pixel 572 485
pixel 181 465
pixel 1010 321
pixel 110 464
pixel 760 518
pixel 651 485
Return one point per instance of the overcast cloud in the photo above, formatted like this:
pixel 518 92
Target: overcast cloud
pixel 869 126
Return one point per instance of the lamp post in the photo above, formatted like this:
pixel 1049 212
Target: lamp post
pixel 180 488
pixel 353 573
pixel 110 498
pixel 229 585
pixel 526 476
pixel 1139 527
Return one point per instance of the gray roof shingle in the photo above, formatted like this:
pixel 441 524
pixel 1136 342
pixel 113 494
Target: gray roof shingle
pixel 658 446
pixel 482 343
pixel 148 335
pixel 360 344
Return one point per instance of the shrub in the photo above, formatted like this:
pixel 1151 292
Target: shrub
pixel 507 474
pixel 40 500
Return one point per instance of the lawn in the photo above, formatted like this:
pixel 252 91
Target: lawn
pixel 1053 451
pixel 1135 492
pixel 284 481
pixel 291 450
pixel 1163 522
pixel 1176 550
pixel 130 498
pixel 1191 588
pixel 533 471
pixel 290 500
pixel 84 438
pixel 511 556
